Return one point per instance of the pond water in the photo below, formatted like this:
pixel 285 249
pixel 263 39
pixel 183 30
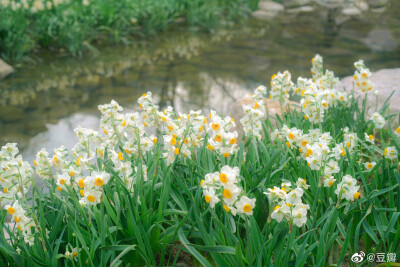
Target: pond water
pixel 42 103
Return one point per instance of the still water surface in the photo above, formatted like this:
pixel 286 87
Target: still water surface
pixel 41 104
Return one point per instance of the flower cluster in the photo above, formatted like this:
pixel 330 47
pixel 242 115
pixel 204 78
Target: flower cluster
pixel 185 132
pixel 254 113
pixel 281 86
pixel 318 149
pixel 378 120
pixel 225 185
pixel 390 152
pixel 317 69
pixel 16 179
pixel 32 6
pixel 362 77
pixel 221 138
pixel 125 137
pixel 348 188
pixel 319 94
pixel 287 203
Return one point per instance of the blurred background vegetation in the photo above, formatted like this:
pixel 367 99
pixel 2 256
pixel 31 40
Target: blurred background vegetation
pixel 78 26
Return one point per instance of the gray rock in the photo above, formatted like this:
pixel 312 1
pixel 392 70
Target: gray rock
pixel 295 3
pixel 377 3
pixel 381 40
pixel 330 3
pixel 270 6
pixel 340 19
pixel 351 11
pixel 5 69
pixel 378 10
pixel 385 81
pixel 302 9
pixel 362 5
pixel 264 15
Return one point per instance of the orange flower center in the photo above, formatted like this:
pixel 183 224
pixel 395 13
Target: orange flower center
pixel 247 208
pixel 99 182
pixel 91 198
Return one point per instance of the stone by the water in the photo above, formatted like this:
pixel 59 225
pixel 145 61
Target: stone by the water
pixel 351 11
pixel 5 69
pixel 270 6
pixel 264 15
pixel 385 81
pixel 380 39
pixel 295 3
pixel 301 9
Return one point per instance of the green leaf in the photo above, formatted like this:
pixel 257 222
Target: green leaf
pixel 192 250
pixel 126 250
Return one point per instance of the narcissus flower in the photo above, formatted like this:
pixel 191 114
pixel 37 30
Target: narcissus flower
pixel 378 120
pixel 245 205
pixel 91 196
pixel 397 131
pixel 362 77
pixel 210 197
pixel 369 138
pixel 390 152
pixel 225 186
pixel 228 175
pixel 347 188
pixel 369 165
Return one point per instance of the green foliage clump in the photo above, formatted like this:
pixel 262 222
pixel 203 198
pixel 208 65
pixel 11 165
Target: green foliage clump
pixel 77 25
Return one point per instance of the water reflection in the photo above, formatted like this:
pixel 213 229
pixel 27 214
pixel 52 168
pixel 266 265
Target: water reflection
pixel 41 105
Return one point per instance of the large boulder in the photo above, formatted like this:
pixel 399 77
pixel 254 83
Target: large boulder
pixel 264 15
pixel 5 69
pixel 381 39
pixel 270 6
pixel 385 81
pixel 267 10
pixel 296 3
pixel 351 11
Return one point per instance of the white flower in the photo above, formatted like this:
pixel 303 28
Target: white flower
pixel 9 151
pixel 294 196
pixel 91 196
pixel 397 132
pixel 281 85
pixel 230 193
pixel 275 194
pixel 317 69
pixel 331 167
pixel 280 212
pixel 63 180
pixel 229 175
pixel 369 138
pixel 98 178
pixel 246 205
pixel 299 214
pixel 302 183
pixel 329 180
pixel 378 120
pixel 362 77
pixel 210 197
pixel 347 188
pixel 369 165
pixel 15 210
pixel 390 152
